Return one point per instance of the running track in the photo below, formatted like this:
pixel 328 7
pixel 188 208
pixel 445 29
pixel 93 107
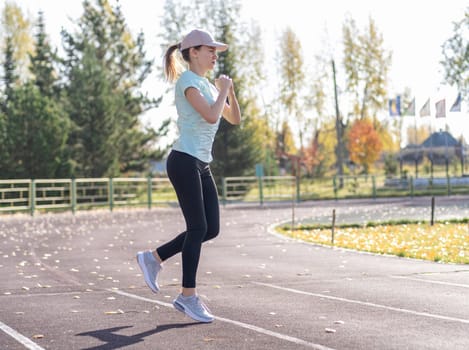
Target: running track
pixel 71 282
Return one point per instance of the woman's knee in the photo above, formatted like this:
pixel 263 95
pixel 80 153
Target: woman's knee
pixel 212 232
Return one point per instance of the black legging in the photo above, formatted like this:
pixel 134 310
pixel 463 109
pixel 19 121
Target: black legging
pixel 198 199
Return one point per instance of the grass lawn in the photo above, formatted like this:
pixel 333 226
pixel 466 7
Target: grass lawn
pixel 444 241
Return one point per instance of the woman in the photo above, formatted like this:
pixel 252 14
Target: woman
pixel 199 105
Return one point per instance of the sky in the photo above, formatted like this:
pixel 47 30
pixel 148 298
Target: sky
pixel 412 30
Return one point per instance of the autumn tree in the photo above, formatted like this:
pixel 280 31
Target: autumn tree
pixel 292 84
pixel 17 27
pixel 315 103
pixel 285 146
pixel 366 65
pixel 417 134
pixel 327 139
pixel 364 144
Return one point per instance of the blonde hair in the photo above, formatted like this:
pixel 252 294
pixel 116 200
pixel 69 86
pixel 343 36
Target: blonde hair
pixel 173 65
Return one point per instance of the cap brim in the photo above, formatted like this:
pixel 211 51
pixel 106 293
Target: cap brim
pixel 219 46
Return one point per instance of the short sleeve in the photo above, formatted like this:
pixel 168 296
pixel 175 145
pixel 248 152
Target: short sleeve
pixel 186 81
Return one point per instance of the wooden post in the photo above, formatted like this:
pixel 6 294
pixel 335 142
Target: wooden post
pixel 333 226
pixel 432 220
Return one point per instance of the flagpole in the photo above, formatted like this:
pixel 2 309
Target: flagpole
pixel 446 151
pixel 416 154
pixel 400 147
pixel 431 149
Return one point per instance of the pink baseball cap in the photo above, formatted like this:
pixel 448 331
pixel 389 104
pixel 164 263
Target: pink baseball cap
pixel 200 37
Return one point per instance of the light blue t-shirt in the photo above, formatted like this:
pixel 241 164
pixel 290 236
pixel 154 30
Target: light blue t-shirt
pixel 196 135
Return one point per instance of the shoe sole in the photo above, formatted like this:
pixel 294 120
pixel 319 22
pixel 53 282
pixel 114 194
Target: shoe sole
pixel 188 312
pixel 146 277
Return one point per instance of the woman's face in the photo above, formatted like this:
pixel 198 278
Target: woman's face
pixel 206 56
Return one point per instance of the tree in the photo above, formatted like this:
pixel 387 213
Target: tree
pixel 416 135
pixel 316 102
pixel 17 28
pixel 106 68
pixel 35 127
pixel 236 148
pixel 9 80
pixel 38 131
pixel 93 108
pixel 292 85
pixel 285 147
pixel 10 77
pixel 43 60
pixel 244 144
pixel 364 144
pixel 455 60
pixel 366 66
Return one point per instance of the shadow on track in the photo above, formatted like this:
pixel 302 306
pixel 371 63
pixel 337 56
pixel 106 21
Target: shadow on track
pixel 116 341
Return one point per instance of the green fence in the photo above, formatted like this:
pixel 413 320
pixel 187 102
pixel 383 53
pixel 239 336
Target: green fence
pixel 382 186
pixel 259 189
pixel 77 194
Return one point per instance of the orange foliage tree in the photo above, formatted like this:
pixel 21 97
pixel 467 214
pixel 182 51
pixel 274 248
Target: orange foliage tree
pixel 364 145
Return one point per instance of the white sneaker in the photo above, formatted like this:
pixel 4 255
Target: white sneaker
pixel 193 307
pixel 150 268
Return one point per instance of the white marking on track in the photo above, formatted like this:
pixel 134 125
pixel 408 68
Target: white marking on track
pixel 236 323
pixel 28 343
pixel 365 303
pixel 433 281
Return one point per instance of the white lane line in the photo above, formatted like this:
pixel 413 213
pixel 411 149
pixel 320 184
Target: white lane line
pixel 365 303
pixel 29 344
pixel 236 323
pixel 433 281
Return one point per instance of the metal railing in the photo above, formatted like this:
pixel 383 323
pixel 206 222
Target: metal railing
pixel 76 194
pixel 258 189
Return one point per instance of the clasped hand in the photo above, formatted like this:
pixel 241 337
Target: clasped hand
pixel 223 82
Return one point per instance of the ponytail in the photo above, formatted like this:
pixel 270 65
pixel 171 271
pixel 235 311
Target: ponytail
pixel 172 63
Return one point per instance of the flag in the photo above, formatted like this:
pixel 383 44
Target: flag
pixel 425 110
pixel 395 106
pixel 456 107
pixel 440 107
pixel 410 110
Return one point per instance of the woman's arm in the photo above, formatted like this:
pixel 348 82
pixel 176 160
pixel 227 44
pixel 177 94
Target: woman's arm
pixel 210 113
pixel 231 111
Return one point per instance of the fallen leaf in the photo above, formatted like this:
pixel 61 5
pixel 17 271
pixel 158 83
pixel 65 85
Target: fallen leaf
pixel 116 312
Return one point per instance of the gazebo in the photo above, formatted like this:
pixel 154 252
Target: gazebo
pixel 440 148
